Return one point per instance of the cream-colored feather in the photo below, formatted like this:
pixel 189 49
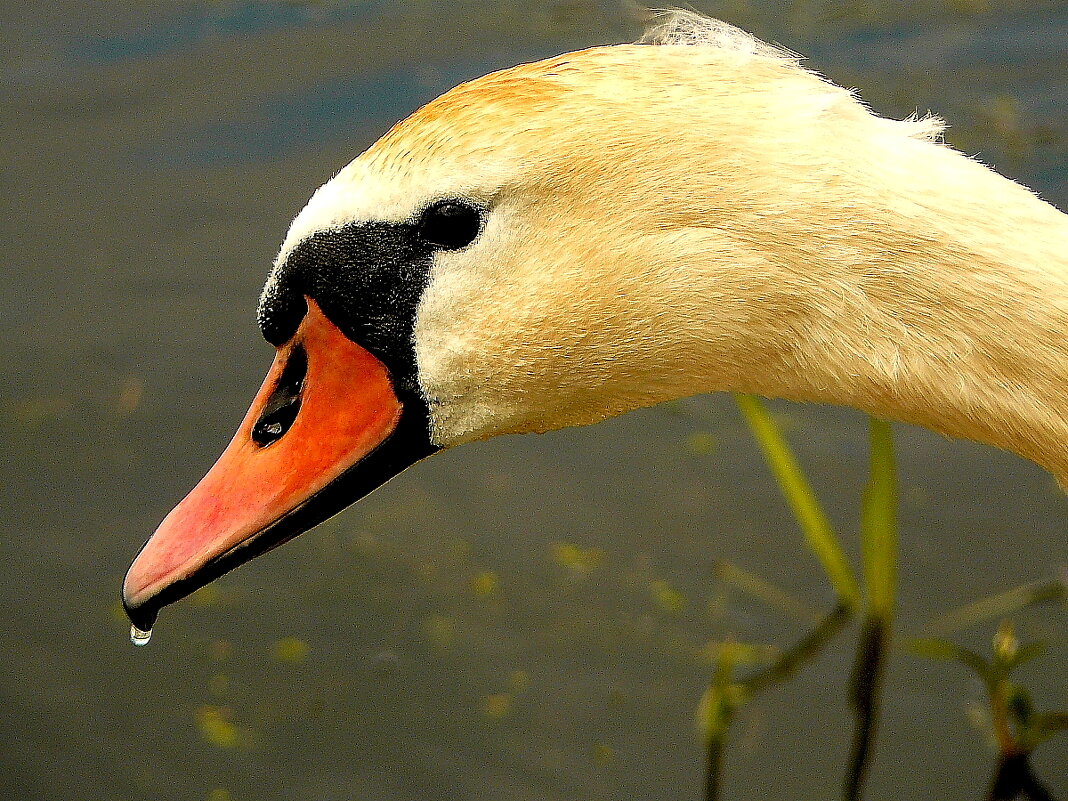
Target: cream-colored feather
pixel 703 214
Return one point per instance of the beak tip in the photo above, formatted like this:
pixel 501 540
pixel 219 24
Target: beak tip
pixel 139 609
pixel 142 615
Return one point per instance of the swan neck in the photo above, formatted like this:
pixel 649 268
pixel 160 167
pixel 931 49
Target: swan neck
pixel 955 319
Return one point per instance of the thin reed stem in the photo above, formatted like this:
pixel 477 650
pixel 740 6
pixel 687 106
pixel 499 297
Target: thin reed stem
pixel 717 748
pixel 788 663
pixel 798 492
pixel 864 697
pixel 998 606
pixel 803 651
pixel 880 549
pixel 1014 779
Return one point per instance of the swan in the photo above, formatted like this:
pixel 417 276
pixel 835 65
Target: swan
pixel 571 239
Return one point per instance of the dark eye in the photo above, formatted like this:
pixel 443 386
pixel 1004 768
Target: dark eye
pixel 450 224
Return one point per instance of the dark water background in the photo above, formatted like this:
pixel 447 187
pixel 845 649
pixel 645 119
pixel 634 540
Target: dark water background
pixel 522 619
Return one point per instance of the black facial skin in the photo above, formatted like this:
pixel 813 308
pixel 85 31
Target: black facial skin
pixel 367 278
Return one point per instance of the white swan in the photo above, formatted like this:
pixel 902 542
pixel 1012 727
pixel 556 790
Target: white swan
pixel 571 239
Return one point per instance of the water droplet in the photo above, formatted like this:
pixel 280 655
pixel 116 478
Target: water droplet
pixel 139 637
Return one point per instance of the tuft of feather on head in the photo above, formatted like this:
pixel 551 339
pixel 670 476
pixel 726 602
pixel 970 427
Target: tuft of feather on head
pixel 681 27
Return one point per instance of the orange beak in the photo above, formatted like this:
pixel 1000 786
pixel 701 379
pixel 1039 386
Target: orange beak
pixel 326 428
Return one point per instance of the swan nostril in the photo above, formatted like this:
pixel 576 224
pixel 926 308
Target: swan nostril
pixel 284 403
pixel 271 427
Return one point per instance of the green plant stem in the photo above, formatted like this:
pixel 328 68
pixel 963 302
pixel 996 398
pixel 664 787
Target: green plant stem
pixel 717 747
pixel 879 526
pixel 764 591
pixel 721 701
pixel 1014 779
pixel 999 605
pixel 796 656
pixel 999 711
pixel 880 549
pixel 864 695
pixel 802 500
pixel 783 668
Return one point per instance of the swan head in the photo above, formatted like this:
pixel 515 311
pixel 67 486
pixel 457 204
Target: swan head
pixel 517 256
pixel 585 190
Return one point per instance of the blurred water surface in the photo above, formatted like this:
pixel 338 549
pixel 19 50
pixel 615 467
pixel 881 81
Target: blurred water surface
pixel 522 619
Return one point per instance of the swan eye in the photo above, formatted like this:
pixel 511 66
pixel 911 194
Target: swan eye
pixel 450 224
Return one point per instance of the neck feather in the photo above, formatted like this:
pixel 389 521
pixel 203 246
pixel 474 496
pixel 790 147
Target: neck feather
pixel 947 307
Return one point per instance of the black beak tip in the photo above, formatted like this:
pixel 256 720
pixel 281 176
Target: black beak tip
pixel 142 616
